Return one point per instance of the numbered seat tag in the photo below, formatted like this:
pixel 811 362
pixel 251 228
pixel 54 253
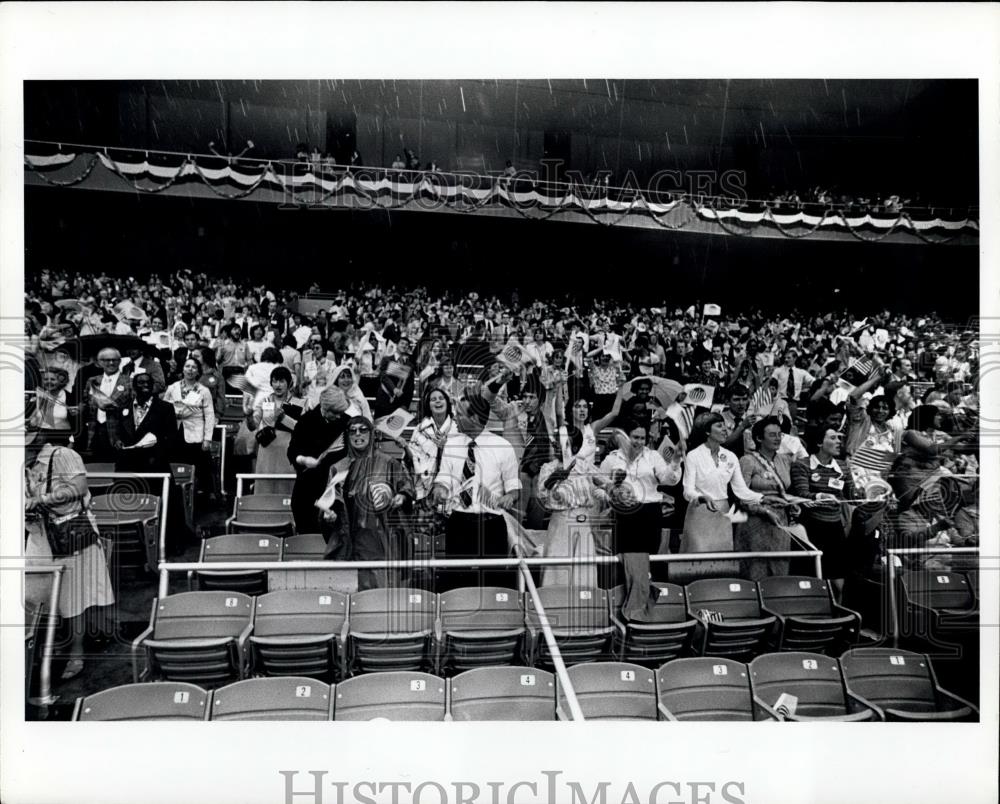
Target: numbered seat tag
pixel 231 602
pixel 805 585
pixel 502 597
pixel 182 697
pixel 720 670
pixel 416 598
pixel 586 594
pixel 286 501
pixel 628 675
pixel 303 692
pixel 943 579
pixel 735 587
pixel 263 542
pixel 527 680
pixel 810 664
pixel 418 685
pixel 325 600
pixel 897 660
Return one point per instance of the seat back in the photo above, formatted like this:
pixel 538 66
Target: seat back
pixel 481 627
pixel 813 678
pixel 126 506
pixel 290 698
pixel 796 596
pixel 264 504
pixel 705 689
pixel 734 598
pixel 299 612
pixel 132 521
pixel 202 615
pixel 890 678
pixel 580 620
pixel 611 691
pixel 391 629
pixel 503 693
pixel 238 547
pixel 973 577
pixel 663 634
pixel 303 547
pixel 938 590
pixel 393 696
pixel 670 605
pixel 161 700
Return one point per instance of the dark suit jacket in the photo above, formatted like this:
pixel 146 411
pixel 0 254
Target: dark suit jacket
pixel 312 435
pixel 675 370
pixel 160 421
pixel 120 394
pixel 384 401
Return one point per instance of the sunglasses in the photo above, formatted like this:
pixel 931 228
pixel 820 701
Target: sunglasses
pixel 358 430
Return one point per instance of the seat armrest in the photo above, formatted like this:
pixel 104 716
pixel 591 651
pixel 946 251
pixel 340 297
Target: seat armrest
pixel 768 710
pixel 941 717
pixel 137 642
pixel 868 714
pixel 215 642
pixel 665 714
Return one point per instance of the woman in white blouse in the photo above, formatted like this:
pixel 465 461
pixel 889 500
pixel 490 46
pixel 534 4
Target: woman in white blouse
pixel 195 410
pixel 710 471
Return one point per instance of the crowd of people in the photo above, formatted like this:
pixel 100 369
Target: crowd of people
pixel 478 422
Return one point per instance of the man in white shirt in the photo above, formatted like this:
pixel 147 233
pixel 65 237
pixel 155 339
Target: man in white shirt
pixel 792 381
pixel 478 481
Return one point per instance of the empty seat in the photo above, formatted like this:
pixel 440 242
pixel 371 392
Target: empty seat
pixel 309 547
pixel 267 513
pixel 99 485
pixel 935 602
pixel 402 695
pixel 902 686
pixel 299 632
pixel 183 474
pixel 665 634
pixel 480 627
pixel 132 522
pixel 744 627
pixel 705 689
pixel 580 621
pixel 503 693
pixel 303 547
pixel 198 637
pixel 238 547
pixel 290 698
pixel 813 679
pixel 160 700
pixel 973 577
pixel 808 618
pixel 391 629
pixel 610 691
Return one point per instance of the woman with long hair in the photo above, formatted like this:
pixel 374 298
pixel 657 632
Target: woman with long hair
pixel 343 377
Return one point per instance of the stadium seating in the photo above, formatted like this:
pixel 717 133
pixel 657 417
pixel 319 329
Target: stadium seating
pixel 99 485
pixel 132 522
pixel 159 700
pixel 32 633
pixel 901 686
pixel 610 691
pixel 813 679
pixel 503 693
pixel 398 695
pixel 289 698
pixel 309 547
pixel 580 621
pixel 935 602
pixel 479 627
pixel 706 689
pixel 391 629
pixel 238 547
pixel 808 619
pixel 973 577
pixel 743 628
pixel 665 635
pixel 184 480
pixel 262 513
pixel 299 633
pixel 197 637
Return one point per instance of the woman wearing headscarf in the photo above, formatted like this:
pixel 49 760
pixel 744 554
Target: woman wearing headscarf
pixel 375 490
pixel 343 378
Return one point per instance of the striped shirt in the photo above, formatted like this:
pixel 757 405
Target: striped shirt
pixel 810 477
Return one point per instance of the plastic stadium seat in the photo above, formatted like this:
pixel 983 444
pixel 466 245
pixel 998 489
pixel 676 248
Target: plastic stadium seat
pixel 303 547
pixel 298 632
pixel 159 700
pixel 289 698
pixel 667 634
pixel 309 547
pixel 705 689
pixel 198 637
pixel 99 485
pixel 610 691
pixel 183 474
pixel 580 621
pixel 238 547
pixel 480 627
pixel 262 513
pixel 391 629
pixel 744 627
pixel 935 601
pixel 399 695
pixel 973 577
pixel 132 522
pixel 902 686
pixel 503 693
pixel 808 618
pixel 32 633
pixel 814 679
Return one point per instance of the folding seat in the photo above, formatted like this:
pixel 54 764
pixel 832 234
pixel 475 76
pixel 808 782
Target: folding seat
pixel 262 513
pixel 479 627
pixel 503 693
pixel 580 620
pixel 813 679
pixel 391 629
pixel 158 700
pixel 132 522
pixel 183 474
pixel 401 695
pixel 610 691
pixel 238 547
pixel 973 578
pixel 299 632
pixel 706 689
pixel 902 686
pixel 666 634
pixel 289 698
pixel 808 618
pixel 99 485
pixel 742 628
pixel 309 547
pixel 935 604
pixel 198 637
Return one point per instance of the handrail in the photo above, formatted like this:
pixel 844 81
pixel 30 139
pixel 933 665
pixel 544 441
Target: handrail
pixel 891 567
pixel 45 696
pixel 165 479
pixel 241 476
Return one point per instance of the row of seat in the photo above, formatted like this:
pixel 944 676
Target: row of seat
pixel 210 637
pixel 863 684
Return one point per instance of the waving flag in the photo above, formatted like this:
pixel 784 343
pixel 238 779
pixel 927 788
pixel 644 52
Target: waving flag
pixel 394 424
pixel 856 373
pixel 699 395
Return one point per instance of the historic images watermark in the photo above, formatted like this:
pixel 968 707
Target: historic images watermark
pixel 313 787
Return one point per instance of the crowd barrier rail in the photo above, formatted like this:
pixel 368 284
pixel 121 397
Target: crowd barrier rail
pixel 45 696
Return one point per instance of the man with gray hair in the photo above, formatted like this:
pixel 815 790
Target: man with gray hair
pixel 104 394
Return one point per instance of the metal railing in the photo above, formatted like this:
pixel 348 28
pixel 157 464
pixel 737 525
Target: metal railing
pixel 45 696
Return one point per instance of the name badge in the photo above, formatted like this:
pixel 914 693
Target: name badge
pixel 836 483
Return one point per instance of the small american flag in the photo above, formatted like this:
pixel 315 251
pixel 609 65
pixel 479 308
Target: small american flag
pixel 874 461
pixel 763 397
pixel 857 372
pixel 684 419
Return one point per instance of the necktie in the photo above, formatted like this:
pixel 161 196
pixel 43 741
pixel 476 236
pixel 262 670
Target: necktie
pixel 468 471
pixel 790 387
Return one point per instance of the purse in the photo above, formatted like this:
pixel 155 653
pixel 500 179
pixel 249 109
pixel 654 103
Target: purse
pixel 71 535
pixel 265 435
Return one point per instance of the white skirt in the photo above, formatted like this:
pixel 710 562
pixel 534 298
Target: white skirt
pixel 85 579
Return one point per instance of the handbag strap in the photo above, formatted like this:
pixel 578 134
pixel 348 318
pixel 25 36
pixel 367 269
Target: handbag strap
pixel 48 476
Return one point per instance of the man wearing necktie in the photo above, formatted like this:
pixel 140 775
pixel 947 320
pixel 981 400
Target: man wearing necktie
pixel 478 480
pixel 791 381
